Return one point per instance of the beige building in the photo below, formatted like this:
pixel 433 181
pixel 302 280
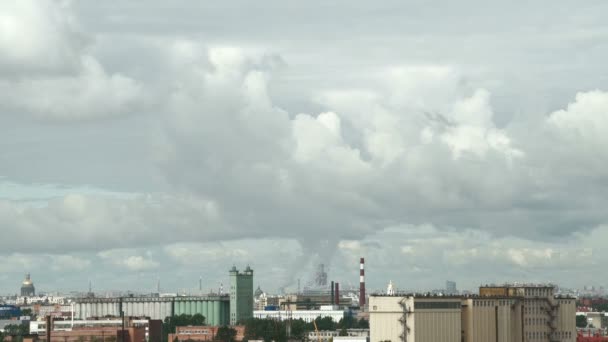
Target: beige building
pixel 518 313
pixel 510 313
pixel 415 319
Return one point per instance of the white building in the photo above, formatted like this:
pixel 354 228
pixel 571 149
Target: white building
pixel 306 315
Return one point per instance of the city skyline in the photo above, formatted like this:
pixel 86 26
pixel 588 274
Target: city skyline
pixel 438 140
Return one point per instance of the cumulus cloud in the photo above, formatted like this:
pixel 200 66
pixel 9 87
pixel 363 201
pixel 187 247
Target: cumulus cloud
pixel 89 95
pixel 38 37
pixel 46 72
pixel 321 153
pixel 127 259
pixel 94 222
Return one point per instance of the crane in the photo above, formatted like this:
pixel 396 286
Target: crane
pixel 317 330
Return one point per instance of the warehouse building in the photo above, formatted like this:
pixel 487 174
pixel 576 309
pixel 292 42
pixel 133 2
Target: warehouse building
pixel 215 308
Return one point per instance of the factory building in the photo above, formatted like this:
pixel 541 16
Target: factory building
pixel 509 313
pixel 415 319
pixel 215 308
pixel 241 295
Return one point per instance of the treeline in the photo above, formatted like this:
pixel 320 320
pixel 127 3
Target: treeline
pixel 267 329
pixel 273 330
pixel 17 331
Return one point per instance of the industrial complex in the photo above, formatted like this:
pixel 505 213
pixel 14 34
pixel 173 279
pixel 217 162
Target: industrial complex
pixel 497 313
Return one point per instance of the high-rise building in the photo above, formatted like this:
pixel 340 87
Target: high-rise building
pixel 241 295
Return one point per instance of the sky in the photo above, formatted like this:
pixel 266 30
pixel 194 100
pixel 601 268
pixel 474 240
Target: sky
pixel 146 141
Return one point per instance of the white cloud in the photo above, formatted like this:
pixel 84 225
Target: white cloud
pixel 91 94
pixel 38 36
pixel 125 258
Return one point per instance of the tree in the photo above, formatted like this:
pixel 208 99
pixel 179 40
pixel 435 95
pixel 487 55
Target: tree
pixel 343 332
pixel 363 324
pixel 225 334
pixel 581 321
pixel 27 312
pixel 179 321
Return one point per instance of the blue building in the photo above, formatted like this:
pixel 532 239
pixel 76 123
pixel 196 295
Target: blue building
pixel 9 311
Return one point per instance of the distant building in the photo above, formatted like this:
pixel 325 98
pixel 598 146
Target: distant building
pixel 27 287
pixel 9 311
pixel 241 295
pixel 137 330
pixel 305 315
pixel 202 333
pixel 215 308
pixel 450 287
pixel 359 335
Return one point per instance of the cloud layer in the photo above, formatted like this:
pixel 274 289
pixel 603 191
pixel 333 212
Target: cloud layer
pixel 174 146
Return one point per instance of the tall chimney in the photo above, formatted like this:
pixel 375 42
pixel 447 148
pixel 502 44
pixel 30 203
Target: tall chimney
pixel 337 294
pixel 333 295
pixel 362 283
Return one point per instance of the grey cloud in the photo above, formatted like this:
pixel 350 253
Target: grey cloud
pixel 349 119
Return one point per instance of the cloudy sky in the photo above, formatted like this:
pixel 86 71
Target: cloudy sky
pixel 145 140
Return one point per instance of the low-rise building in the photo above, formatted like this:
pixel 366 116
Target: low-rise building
pixel 152 329
pixel 325 336
pixel 203 333
pixel 305 315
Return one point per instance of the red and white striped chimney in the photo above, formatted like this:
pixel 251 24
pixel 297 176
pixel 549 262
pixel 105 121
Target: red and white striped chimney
pixel 362 283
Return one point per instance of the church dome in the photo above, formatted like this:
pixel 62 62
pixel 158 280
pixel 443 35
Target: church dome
pixel 27 287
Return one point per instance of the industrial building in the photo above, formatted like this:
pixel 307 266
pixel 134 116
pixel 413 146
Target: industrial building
pixel 152 328
pixel 410 318
pixel 507 313
pixel 510 313
pixel 215 308
pixel 241 295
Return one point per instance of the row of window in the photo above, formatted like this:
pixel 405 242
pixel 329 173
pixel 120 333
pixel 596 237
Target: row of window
pixel 536 321
pixel 436 305
pixel 485 303
pixel 535 335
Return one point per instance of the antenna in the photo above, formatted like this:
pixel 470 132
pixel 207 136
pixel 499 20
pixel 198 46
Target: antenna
pixel 200 284
pixel 158 285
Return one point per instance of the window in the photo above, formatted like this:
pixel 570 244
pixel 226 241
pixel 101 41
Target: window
pixel 436 305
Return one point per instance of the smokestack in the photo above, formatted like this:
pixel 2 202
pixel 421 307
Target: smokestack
pixel 337 294
pixel 362 283
pixel 333 297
